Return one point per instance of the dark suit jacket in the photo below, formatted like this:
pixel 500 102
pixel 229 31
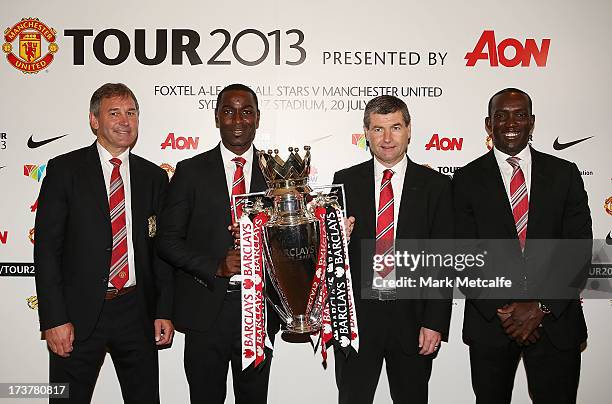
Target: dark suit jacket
pixel 425 213
pixel 193 237
pixel 558 209
pixel 73 244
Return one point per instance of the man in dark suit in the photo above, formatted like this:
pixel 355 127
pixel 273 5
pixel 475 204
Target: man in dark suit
pixel 195 238
pixel 515 192
pixel 405 333
pixel 99 282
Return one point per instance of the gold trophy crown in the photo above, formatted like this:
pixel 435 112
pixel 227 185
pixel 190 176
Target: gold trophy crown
pixel 284 177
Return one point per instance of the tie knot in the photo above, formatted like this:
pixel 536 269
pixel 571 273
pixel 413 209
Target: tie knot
pixel 387 174
pixel 115 161
pixel 240 162
pixel 513 161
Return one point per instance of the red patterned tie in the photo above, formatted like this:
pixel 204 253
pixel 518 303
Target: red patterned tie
pixel 519 200
pixel 384 221
pixel 238 187
pixel 119 272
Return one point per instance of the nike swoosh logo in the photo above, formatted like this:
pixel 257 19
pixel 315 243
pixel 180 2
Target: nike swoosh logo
pixel 32 144
pixel 609 238
pixel 561 146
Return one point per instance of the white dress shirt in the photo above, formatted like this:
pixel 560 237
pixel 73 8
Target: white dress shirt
pixel 397 184
pixel 124 170
pixel 230 169
pixel 506 169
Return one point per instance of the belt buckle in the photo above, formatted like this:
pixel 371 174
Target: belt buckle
pixel 114 292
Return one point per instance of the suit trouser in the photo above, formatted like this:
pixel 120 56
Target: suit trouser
pixel 552 375
pixel 208 355
pixel 120 332
pixel 357 375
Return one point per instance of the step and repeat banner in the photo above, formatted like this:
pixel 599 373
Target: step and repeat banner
pixel 314 65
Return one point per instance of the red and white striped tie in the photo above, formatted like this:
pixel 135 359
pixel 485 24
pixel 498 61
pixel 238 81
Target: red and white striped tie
pixel 384 221
pixel 238 187
pixel 119 272
pixel 519 200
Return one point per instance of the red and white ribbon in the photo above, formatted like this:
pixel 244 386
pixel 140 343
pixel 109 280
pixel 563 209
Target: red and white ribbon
pixel 327 335
pixel 253 303
pixel 349 287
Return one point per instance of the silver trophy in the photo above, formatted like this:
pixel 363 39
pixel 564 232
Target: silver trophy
pixel 291 240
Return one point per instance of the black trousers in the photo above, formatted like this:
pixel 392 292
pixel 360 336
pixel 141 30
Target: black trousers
pixel 357 375
pixel 552 375
pixel 120 332
pixel 209 354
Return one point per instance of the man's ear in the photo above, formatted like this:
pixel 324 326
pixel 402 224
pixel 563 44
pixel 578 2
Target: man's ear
pixel 487 123
pixel 93 121
pixel 409 132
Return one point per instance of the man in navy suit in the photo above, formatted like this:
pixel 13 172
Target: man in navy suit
pixel 195 238
pixel 414 202
pixel 100 285
pixel 517 193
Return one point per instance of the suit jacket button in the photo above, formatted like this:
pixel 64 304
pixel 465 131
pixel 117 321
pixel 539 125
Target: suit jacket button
pixel 105 280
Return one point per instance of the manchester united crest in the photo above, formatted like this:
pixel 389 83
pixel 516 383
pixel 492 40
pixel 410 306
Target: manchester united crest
pixel 32 302
pixel 168 169
pixel 152 226
pixel 25 42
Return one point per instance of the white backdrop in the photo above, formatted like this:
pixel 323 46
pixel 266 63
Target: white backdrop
pixel 304 104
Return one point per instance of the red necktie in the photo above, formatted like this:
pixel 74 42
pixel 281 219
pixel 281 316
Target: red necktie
pixel 519 200
pixel 384 221
pixel 238 187
pixel 119 272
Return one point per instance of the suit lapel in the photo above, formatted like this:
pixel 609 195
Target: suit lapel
pixel 258 182
pixel 95 181
pixel 366 200
pixel 539 189
pixel 215 183
pixel 138 193
pixel 500 205
pixel 411 195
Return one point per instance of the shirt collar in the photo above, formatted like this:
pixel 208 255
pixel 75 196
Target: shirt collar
pixel 502 158
pixel 105 155
pixel 227 155
pixel 400 167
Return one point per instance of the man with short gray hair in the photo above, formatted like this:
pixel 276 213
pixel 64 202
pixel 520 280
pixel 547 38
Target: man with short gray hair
pixel 101 287
pixel 392 198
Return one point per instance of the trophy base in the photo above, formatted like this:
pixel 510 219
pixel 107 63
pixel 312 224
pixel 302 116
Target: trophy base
pixel 301 325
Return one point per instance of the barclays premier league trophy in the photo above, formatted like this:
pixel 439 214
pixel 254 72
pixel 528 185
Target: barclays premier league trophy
pixel 293 241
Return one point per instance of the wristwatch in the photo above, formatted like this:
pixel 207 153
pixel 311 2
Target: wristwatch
pixel 544 308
